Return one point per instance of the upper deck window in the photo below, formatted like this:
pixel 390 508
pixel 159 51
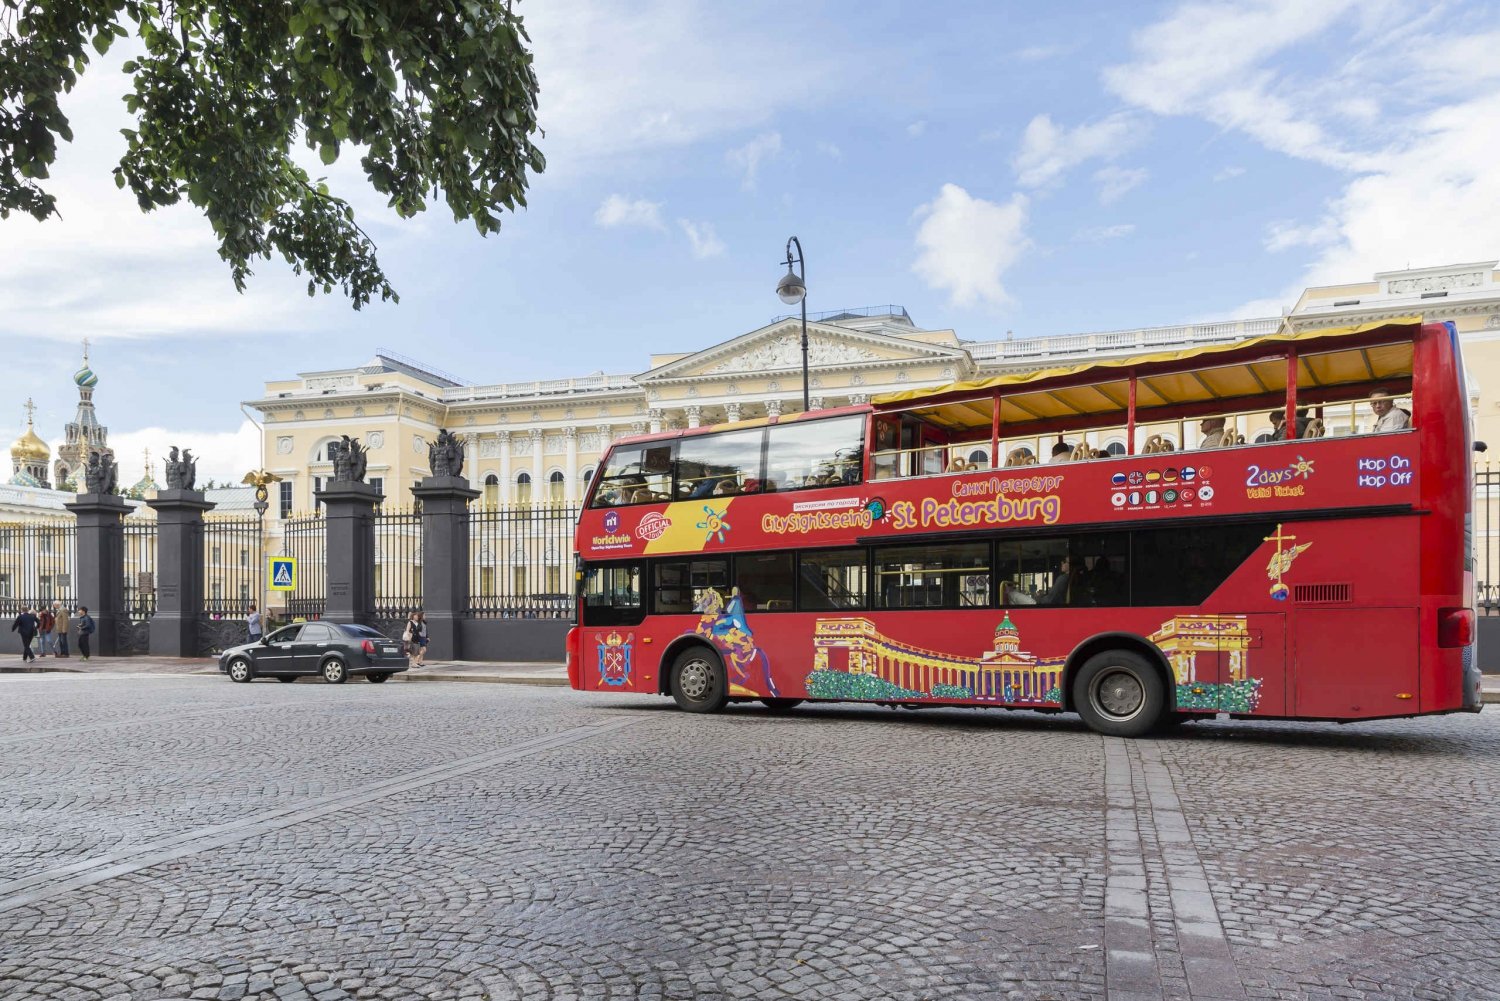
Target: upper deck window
pixel 636 474
pixel 814 453
pixel 719 465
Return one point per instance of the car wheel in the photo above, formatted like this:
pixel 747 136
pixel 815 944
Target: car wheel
pixel 1120 693
pixel 698 682
pixel 781 705
pixel 376 677
pixel 286 679
pixel 334 671
pixel 240 670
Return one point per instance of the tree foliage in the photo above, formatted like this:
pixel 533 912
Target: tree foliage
pixel 438 96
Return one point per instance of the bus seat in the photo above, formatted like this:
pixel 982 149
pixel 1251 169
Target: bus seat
pixel 1315 428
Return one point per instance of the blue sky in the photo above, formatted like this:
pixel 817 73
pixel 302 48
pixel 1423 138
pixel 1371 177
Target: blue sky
pixel 1037 168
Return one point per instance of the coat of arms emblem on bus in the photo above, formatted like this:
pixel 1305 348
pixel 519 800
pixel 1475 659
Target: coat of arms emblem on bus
pixel 725 627
pixel 616 660
pixel 1281 561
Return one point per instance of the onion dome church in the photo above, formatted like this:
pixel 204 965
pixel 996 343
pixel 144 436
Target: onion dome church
pixel 29 455
pixel 84 433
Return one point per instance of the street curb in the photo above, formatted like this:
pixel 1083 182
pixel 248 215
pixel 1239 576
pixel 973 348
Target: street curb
pixel 492 679
pixel 43 670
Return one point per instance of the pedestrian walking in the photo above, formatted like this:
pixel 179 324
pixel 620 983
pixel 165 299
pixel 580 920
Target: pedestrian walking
pixel 62 621
pixel 26 624
pixel 86 629
pixel 409 635
pixel 45 626
pixel 421 636
pixel 252 623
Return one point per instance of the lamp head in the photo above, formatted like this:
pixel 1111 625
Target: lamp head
pixel 791 288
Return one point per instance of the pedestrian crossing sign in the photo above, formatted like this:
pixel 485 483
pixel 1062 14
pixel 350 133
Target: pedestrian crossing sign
pixel 283 573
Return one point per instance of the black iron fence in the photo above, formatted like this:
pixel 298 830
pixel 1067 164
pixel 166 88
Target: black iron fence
pixel 1487 539
pixel 306 539
pixel 140 569
pixel 398 562
pixel 38 565
pixel 521 561
pixel 232 558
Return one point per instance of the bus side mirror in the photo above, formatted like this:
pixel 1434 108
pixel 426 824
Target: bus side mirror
pixel 1480 446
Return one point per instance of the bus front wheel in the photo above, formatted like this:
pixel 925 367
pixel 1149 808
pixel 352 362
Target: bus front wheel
pixel 1120 693
pixel 698 681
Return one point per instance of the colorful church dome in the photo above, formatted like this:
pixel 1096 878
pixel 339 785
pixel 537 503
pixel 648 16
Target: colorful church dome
pixel 85 378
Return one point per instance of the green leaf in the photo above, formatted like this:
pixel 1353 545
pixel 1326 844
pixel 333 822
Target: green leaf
pixel 328 153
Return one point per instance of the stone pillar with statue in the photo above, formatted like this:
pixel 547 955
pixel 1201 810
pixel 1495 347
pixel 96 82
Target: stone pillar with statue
pixel 349 516
pixel 445 497
pixel 179 559
pixel 100 512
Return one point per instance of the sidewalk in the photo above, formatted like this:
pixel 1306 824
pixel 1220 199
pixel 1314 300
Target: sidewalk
pixel 457 670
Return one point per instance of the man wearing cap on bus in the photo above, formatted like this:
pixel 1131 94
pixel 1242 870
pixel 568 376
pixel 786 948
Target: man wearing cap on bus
pixel 1389 417
pixel 1212 429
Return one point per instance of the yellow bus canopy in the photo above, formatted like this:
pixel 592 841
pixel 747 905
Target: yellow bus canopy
pixel 1162 379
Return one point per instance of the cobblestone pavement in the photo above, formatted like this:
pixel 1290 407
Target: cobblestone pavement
pixel 179 837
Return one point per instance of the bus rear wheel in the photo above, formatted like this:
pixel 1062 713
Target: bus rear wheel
pixel 780 705
pixel 1120 693
pixel 698 681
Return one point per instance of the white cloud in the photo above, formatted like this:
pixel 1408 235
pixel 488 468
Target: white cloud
pixel 1228 172
pixel 617 210
pixel 748 158
pixel 1099 234
pixel 915 129
pixel 1115 181
pixel 1416 139
pixel 1039 53
pixel 705 242
pixel 966 244
pixel 1048 151
pixel 830 150
pixel 223 456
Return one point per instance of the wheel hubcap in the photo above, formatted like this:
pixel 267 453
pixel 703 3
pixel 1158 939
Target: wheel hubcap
pixel 333 670
pixel 1119 693
pixel 696 679
pixel 237 670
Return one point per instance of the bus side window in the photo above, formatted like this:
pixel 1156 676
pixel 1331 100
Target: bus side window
pixel 764 581
pixel 833 579
pixel 815 453
pixel 725 464
pixel 635 474
pixel 612 595
pixel 681 586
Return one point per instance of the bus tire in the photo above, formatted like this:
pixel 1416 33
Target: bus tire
pixel 780 705
pixel 1120 693
pixel 699 684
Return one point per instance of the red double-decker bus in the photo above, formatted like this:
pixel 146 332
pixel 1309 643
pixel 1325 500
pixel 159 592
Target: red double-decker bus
pixel 1277 528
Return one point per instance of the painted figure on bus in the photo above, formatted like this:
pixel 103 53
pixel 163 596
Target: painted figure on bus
pixel 725 627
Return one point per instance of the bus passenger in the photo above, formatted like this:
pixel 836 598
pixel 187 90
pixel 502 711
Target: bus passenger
pixel 1389 417
pixel 1278 421
pixel 1212 429
pixel 1057 593
pixel 1062 452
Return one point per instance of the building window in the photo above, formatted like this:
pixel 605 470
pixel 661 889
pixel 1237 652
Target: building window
pixel 523 488
pixel 487 581
pixel 555 484
pixel 317 489
pixel 979 457
pixel 378 482
pixel 518 582
pixel 286 500
pixel 491 490
pixel 244 557
pixel 218 555
pixel 1115 448
pixel 554 580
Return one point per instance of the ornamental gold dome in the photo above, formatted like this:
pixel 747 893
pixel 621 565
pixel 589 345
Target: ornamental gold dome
pixel 29 448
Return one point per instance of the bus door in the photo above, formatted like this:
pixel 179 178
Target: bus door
pixel 1354 661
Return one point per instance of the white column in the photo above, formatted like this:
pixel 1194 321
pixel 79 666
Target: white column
pixel 694 416
pixel 471 458
pixel 656 420
pixel 507 491
pixel 538 486
pixel 732 412
pixel 570 468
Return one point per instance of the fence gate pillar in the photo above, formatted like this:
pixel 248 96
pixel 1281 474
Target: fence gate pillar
pixel 349 513
pixel 179 571
pixel 101 565
pixel 445 561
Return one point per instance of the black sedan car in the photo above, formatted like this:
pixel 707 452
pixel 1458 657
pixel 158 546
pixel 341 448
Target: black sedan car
pixel 334 650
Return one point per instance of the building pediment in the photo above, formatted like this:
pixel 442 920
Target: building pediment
pixel 778 348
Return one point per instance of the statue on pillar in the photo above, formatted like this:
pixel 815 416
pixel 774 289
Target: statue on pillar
pixel 182 472
pixel 349 460
pixel 445 457
pixel 100 475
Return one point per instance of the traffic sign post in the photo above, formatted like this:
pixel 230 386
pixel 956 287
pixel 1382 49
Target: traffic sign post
pixel 282 573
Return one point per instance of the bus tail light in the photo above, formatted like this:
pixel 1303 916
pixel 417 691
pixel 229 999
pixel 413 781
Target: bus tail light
pixel 572 656
pixel 1455 627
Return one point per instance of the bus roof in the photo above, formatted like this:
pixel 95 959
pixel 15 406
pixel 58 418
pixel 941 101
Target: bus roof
pixel 1328 357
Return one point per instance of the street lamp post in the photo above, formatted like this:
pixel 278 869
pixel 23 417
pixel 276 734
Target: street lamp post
pixel 261 480
pixel 793 288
